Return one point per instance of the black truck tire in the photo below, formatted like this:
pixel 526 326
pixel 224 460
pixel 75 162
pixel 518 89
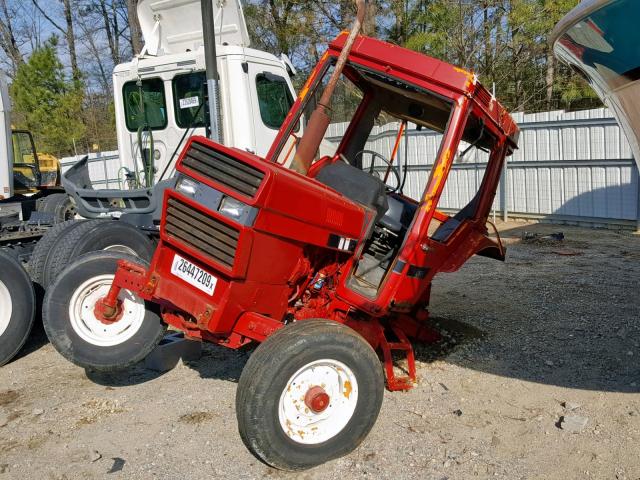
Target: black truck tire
pixel 275 420
pixel 17 307
pixel 70 324
pixel 92 236
pixel 43 249
pixel 61 205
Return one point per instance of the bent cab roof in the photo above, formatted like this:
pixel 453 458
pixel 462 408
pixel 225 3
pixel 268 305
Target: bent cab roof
pixel 429 73
pixel 170 26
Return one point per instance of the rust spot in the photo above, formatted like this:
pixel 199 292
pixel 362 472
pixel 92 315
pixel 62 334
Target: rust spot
pixel 348 388
pixel 301 433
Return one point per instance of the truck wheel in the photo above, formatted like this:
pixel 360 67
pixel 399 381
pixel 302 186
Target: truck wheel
pixel 43 249
pixel 310 393
pixel 115 236
pixel 60 250
pixel 61 205
pixel 17 307
pixel 70 323
pixel 94 235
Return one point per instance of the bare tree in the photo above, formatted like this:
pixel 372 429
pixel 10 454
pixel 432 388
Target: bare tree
pixel 8 41
pixel 67 31
pixel 134 26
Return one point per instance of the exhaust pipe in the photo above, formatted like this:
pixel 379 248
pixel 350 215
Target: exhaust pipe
pixel 319 121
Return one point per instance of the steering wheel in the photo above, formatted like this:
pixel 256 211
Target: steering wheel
pixel 373 171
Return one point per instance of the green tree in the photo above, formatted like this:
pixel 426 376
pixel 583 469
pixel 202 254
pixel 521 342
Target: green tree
pixel 48 103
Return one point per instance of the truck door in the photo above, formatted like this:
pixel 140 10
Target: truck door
pixel 271 97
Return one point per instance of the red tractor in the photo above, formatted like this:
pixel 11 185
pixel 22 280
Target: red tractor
pixel 319 258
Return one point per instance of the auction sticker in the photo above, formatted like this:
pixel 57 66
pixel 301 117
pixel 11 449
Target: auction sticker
pixel 189 102
pixel 193 275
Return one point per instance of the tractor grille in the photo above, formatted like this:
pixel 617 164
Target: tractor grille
pixel 223 169
pixel 200 232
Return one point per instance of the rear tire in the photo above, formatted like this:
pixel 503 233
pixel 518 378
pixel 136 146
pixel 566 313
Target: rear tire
pixel 67 315
pixel 61 205
pixel 274 419
pixel 17 307
pixel 92 236
pixel 43 249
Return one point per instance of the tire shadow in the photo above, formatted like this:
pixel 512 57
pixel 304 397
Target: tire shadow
pixel 216 362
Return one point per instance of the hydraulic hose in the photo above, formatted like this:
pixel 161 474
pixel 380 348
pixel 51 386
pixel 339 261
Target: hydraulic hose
pixel 147 166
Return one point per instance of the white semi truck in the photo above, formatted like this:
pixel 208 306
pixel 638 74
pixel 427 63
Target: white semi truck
pixel 160 99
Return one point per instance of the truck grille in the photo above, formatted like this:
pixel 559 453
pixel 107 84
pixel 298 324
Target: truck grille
pixel 223 169
pixel 200 232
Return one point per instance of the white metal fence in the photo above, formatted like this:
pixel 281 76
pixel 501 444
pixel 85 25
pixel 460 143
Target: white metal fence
pixel 103 168
pixel 574 167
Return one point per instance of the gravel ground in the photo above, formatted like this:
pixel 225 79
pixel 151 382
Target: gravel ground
pixel 538 378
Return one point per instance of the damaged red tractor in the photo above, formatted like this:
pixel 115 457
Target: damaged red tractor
pixel 316 252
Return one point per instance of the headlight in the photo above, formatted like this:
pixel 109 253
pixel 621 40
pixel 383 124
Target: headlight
pixel 238 211
pixel 187 186
pixel 232 208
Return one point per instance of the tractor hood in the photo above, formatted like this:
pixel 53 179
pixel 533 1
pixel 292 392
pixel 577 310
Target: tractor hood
pixel 175 26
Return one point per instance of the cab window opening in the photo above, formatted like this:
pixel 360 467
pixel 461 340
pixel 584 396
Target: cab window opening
pixel 145 104
pixel 188 96
pixel 274 99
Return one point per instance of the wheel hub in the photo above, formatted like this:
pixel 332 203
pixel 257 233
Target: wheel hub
pixel 317 399
pixel 106 314
pixel 100 326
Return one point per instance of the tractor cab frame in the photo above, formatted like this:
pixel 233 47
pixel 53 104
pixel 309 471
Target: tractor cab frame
pixel 277 247
pixel 252 250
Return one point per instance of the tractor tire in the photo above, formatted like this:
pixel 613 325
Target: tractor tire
pixel 95 235
pixel 74 331
pixel 61 205
pixel 309 394
pixel 17 307
pixel 43 249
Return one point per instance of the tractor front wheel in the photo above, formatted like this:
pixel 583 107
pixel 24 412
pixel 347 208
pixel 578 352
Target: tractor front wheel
pixel 310 393
pixel 80 335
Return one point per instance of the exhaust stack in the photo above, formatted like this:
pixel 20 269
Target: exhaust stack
pixel 211 62
pixel 319 121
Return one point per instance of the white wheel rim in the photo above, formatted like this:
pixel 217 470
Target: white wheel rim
pixel 89 328
pixel 121 249
pixel 298 421
pixel 6 308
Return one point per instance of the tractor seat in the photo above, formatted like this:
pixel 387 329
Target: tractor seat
pixel 356 185
pixel 399 215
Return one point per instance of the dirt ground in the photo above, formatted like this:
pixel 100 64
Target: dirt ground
pixel 534 348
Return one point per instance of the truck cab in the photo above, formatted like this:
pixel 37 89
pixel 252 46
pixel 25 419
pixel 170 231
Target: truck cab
pixel 160 96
